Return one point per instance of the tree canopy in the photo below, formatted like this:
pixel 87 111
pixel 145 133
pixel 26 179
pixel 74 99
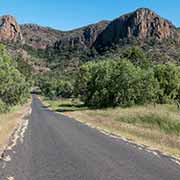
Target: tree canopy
pixel 14 88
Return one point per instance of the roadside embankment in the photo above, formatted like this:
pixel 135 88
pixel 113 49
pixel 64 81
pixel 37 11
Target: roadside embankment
pixel 9 122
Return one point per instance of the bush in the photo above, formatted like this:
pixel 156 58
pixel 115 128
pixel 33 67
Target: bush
pixel 130 80
pixel 137 57
pixel 168 76
pixel 3 107
pixel 14 88
pixel 52 87
pixel 111 83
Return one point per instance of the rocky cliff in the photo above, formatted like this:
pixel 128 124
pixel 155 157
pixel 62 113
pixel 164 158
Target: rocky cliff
pixel 143 25
pixel 43 37
pixel 81 38
pixel 9 29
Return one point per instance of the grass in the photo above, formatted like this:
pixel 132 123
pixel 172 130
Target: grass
pixel 162 117
pixel 156 127
pixel 8 123
pixel 66 105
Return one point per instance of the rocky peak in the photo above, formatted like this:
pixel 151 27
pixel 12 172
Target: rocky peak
pixel 148 24
pixel 143 24
pixel 9 29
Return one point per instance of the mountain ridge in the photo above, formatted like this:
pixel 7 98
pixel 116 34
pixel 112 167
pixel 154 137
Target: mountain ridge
pixel 142 27
pixel 142 23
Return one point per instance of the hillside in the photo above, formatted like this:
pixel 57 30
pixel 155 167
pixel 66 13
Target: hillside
pixel 39 37
pixel 44 37
pixel 52 48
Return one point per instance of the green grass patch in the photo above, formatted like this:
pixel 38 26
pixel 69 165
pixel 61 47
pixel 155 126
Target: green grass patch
pixel 64 105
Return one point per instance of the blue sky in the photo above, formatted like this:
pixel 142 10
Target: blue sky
pixel 70 14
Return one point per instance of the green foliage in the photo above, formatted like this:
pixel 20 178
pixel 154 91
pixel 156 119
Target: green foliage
pixel 128 80
pixel 24 68
pixel 65 105
pixel 137 57
pixel 168 77
pixel 14 88
pixel 52 87
pixel 111 83
pixel 123 83
pixel 3 107
pixel 64 88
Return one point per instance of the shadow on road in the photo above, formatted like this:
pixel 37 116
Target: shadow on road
pixel 71 107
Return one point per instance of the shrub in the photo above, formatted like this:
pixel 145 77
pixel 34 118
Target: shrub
pixel 168 77
pixel 111 83
pixel 52 87
pixel 3 107
pixel 14 88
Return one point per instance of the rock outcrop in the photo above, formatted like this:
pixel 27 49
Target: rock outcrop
pixel 9 29
pixel 81 38
pixel 43 37
pixel 143 25
pixel 40 37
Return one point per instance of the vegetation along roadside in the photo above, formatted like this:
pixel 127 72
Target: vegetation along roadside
pixel 134 99
pixel 14 94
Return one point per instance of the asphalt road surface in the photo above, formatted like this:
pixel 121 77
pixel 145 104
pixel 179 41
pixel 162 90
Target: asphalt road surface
pixel 56 147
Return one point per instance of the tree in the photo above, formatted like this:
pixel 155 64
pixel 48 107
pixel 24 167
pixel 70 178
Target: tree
pixel 168 77
pixel 137 57
pixel 115 83
pixel 14 88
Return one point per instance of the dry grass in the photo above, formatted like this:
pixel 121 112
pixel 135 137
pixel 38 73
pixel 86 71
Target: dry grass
pixel 9 121
pixel 165 118
pixel 128 123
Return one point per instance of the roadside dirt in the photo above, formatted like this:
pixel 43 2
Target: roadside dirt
pixel 9 123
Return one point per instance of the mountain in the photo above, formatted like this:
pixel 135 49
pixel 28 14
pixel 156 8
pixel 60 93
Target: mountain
pixel 39 37
pixel 143 25
pixel 50 48
pixel 44 37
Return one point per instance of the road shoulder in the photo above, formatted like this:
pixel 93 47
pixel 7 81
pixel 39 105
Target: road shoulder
pixel 9 122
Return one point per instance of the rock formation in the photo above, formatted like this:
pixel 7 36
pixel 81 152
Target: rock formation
pixel 81 38
pixel 9 29
pixel 40 37
pixel 143 25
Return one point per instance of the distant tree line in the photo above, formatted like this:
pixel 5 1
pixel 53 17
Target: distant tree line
pixel 125 81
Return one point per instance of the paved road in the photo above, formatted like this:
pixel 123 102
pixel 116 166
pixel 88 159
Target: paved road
pixel 56 147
